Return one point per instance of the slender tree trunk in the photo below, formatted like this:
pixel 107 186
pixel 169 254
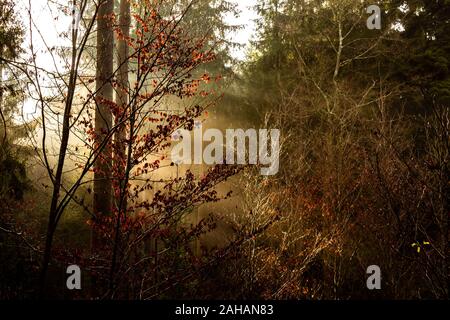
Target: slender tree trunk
pixel 123 53
pixel 2 117
pixel 102 202
pixel 123 87
pixel 122 101
pixel 55 210
pixel 103 116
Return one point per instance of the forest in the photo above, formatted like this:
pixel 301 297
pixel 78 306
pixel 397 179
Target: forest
pixel 147 152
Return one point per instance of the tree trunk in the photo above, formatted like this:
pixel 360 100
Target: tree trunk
pixel 103 115
pixel 122 91
pixel 120 138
